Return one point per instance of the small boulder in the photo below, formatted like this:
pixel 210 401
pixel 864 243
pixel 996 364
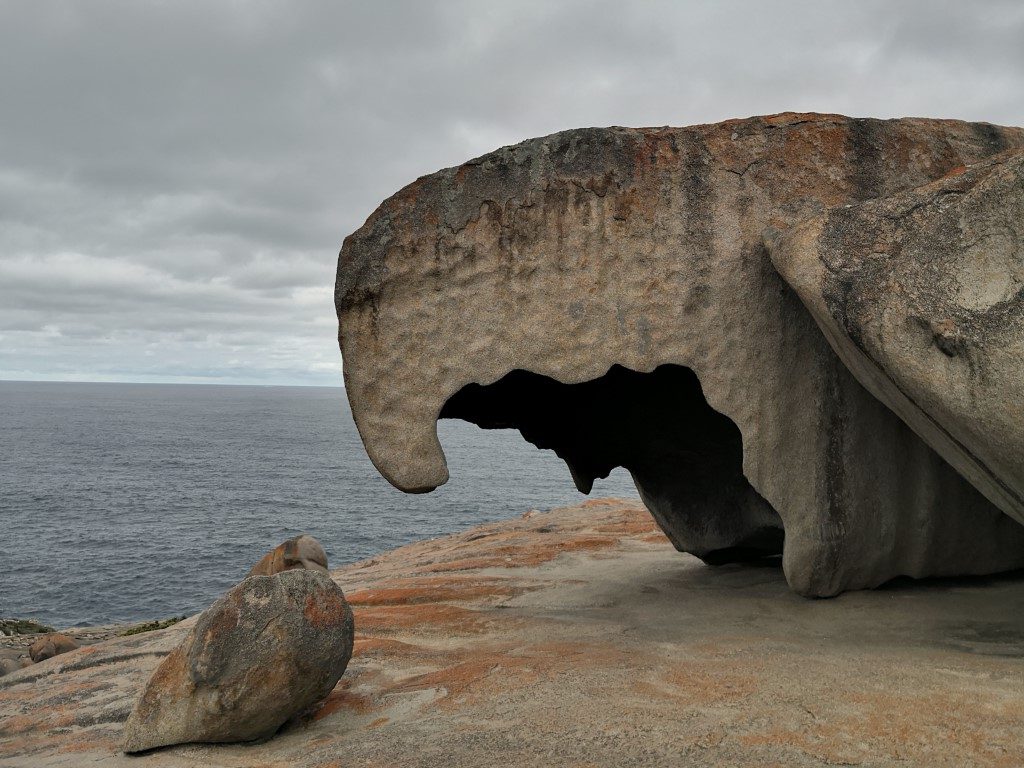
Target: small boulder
pixel 51 645
pixel 263 653
pixel 9 665
pixel 298 552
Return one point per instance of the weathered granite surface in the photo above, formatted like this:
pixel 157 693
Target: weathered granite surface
pixel 922 296
pixel 268 649
pixel 580 637
pixel 609 293
pixel 50 645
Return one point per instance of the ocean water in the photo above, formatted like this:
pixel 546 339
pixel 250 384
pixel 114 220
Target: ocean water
pixel 127 502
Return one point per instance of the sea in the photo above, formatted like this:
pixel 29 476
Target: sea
pixel 132 502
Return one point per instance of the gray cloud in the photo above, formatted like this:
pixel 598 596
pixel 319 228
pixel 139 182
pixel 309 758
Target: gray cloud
pixel 176 178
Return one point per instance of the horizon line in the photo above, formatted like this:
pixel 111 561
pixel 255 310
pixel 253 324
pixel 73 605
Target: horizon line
pixel 170 383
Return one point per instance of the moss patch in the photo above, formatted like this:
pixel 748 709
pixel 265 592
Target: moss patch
pixel 150 626
pixel 10 627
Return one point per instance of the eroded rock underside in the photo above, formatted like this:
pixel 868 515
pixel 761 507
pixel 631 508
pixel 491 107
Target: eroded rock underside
pixel 609 293
pixel 922 296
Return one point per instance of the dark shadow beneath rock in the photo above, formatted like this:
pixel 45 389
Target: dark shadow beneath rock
pixel 685 457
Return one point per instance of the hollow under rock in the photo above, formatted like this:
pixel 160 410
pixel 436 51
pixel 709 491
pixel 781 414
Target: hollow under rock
pixel 685 457
pixel 568 254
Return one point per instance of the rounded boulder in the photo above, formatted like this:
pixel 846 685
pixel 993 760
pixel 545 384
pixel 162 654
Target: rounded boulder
pixel 302 551
pixel 264 652
pixel 51 645
pixel 7 666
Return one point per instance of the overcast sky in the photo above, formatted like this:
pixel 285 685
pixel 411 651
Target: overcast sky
pixel 176 177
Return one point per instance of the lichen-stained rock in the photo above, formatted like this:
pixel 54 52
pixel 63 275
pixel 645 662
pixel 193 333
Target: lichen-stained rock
pixel 555 260
pixel 302 551
pixel 922 296
pixel 264 652
pixel 493 645
pixel 51 645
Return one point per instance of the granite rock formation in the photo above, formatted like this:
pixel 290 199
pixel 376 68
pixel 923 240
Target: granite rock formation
pixel 922 296
pixel 581 637
pixel 264 652
pixel 13 665
pixel 609 293
pixel 51 645
pixel 301 551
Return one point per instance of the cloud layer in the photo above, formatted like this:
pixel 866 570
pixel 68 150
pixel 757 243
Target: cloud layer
pixel 176 178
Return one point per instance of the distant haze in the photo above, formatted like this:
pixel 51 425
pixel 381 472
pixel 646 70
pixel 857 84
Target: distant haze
pixel 176 177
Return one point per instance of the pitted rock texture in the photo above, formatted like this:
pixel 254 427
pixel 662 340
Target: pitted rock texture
pixel 302 551
pixel 580 637
pixel 922 296
pixel 565 256
pixel 267 650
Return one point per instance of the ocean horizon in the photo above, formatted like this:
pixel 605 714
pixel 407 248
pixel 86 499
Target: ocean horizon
pixel 124 502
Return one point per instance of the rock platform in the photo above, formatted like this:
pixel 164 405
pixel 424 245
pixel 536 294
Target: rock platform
pixel 581 637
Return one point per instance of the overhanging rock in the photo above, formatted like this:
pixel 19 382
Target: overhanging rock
pixel 922 296
pixel 608 292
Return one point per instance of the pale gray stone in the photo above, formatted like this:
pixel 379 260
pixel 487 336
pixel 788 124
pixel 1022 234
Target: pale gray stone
pixel 922 296
pixel 483 291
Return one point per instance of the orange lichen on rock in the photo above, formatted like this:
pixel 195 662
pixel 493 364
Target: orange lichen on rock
pixel 711 683
pixel 322 611
pixel 344 698
pixel 469 676
pixel 905 728
pixel 395 618
pixel 433 591
pixel 380 646
pixel 641 658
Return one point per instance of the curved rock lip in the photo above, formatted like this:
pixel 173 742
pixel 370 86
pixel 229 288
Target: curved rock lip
pixel 922 296
pixel 545 256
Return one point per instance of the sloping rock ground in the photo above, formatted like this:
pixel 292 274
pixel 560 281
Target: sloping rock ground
pixel 581 637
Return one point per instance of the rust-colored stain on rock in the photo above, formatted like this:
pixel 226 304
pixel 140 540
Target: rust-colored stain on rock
pixel 432 591
pixel 642 657
pixel 440 616
pixel 324 611
pixel 343 698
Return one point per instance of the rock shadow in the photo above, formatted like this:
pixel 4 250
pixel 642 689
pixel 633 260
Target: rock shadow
pixel 685 457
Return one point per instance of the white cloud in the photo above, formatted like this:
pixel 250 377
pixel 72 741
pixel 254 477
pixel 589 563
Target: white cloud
pixel 176 178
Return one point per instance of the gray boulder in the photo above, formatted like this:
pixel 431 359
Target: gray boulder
pixel 264 652
pixel 922 296
pixel 8 665
pixel 608 292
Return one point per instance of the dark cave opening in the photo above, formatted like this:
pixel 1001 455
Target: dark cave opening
pixel 685 457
